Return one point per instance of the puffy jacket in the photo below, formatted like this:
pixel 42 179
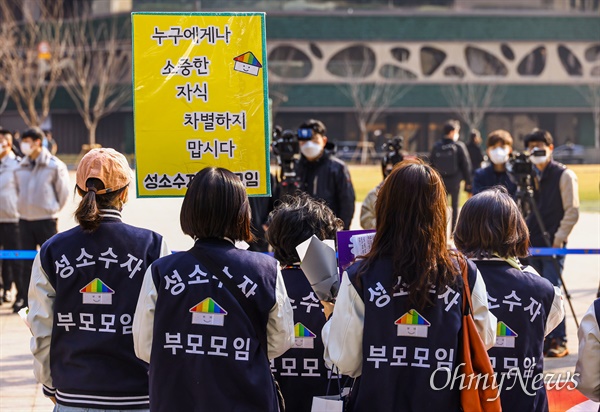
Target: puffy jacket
pixel 43 187
pixel 8 189
pixel 328 179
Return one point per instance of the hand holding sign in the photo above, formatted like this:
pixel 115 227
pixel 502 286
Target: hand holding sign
pixel 319 265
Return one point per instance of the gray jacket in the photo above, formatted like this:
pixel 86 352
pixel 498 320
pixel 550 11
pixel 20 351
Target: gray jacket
pixel 8 189
pixel 44 188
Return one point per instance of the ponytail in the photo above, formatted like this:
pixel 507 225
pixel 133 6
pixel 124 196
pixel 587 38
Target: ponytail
pixel 88 211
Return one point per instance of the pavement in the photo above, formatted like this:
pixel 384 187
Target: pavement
pixel 19 392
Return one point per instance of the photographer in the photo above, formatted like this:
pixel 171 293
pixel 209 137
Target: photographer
pixel 557 199
pixel 393 156
pixel 322 175
pixel 499 147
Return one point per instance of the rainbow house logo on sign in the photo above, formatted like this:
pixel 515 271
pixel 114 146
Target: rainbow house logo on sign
pixel 247 63
pixel 208 312
pixel 505 336
pixel 97 293
pixel 200 99
pixel 412 324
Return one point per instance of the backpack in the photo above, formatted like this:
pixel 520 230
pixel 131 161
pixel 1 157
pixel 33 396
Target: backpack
pixel 445 158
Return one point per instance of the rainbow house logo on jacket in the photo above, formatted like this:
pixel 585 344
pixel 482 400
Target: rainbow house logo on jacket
pixel 303 337
pixel 208 312
pixel 505 336
pixel 412 324
pixel 97 293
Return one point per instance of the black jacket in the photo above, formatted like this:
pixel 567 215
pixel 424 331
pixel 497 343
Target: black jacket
pixel 464 163
pixel 486 178
pixel 328 179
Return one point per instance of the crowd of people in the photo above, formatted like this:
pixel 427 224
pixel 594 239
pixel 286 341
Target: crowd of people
pixel 34 187
pixel 120 323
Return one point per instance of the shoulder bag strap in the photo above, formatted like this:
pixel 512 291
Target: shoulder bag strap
pixel 466 304
pixel 251 310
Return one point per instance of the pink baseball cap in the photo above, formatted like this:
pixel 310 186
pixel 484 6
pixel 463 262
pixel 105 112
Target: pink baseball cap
pixel 107 165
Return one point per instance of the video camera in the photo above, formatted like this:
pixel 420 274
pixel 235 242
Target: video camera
pixel 520 167
pixel 287 149
pixel 285 145
pixel 393 154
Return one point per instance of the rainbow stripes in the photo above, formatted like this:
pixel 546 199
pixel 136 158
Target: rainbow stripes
pixel 504 331
pixel 208 305
pixel 96 286
pixel 412 317
pixel 248 58
pixel 301 331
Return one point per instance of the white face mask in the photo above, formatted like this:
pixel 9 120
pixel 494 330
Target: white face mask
pixel 26 148
pixel 538 160
pixel 499 155
pixel 310 150
pixel 455 137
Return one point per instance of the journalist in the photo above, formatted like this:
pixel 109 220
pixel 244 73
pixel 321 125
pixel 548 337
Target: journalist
pixel 393 156
pixel 321 174
pixel 557 198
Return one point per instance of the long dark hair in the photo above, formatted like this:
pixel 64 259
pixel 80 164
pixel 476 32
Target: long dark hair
pixel 411 229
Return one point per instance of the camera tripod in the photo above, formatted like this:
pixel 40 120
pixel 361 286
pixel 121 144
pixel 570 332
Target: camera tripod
pixel 526 203
pixel 289 181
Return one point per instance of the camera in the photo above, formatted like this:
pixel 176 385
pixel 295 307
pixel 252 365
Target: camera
pixel 393 154
pixel 520 169
pixel 305 133
pixel 285 145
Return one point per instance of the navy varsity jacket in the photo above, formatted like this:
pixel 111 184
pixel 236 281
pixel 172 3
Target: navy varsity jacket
pixel 83 295
pixel 522 301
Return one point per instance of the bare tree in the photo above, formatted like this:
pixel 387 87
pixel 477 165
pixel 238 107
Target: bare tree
pixel 370 99
pixel 591 93
pixel 4 102
pixel 31 52
pixel 472 101
pixel 98 75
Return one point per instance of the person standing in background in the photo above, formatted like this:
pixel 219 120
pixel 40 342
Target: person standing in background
pixel 43 190
pixel 474 148
pixel 322 175
pixel 450 158
pixel 9 215
pixel 557 198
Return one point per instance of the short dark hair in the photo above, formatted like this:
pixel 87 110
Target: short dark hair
pixel 490 223
pixel 34 133
pixel 317 126
pixel 538 135
pixel 499 136
pixel 296 219
pixel 216 206
pixel 451 125
pixel 475 134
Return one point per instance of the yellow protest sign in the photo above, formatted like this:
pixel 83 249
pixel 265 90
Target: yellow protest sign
pixel 200 99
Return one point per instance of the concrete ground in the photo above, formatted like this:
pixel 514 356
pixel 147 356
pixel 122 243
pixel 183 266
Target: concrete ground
pixel 20 393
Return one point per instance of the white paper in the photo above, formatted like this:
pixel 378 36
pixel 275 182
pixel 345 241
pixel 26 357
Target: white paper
pixel 361 244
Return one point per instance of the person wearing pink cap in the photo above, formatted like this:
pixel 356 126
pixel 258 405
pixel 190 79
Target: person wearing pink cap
pixel 83 292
